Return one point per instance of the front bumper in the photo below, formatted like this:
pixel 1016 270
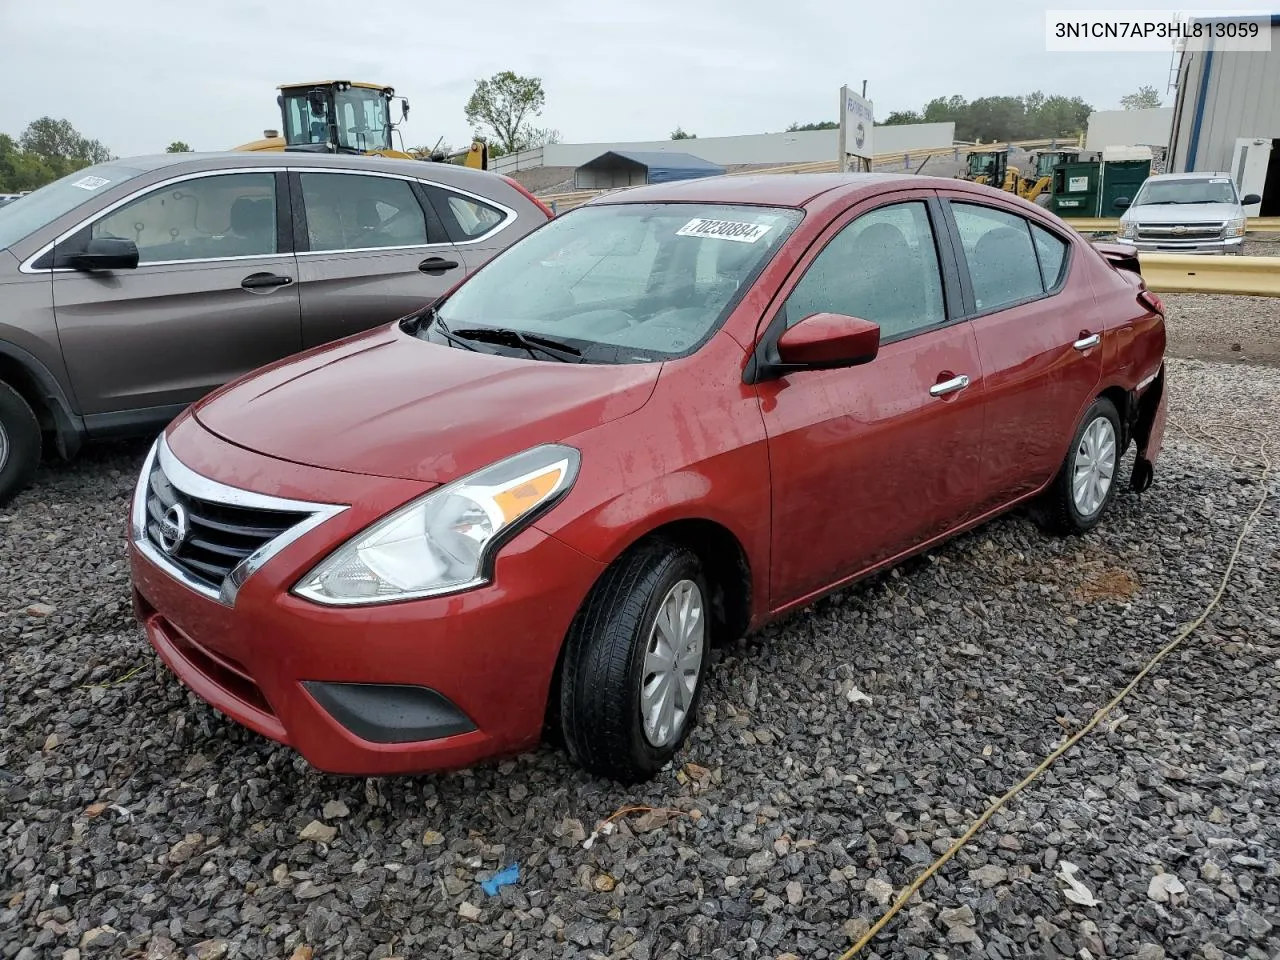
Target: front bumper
pixel 1232 246
pixel 408 687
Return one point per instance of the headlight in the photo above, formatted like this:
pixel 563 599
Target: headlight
pixel 1234 228
pixel 1128 230
pixel 444 541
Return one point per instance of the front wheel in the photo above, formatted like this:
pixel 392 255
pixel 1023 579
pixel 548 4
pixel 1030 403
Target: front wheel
pixel 1086 484
pixel 19 443
pixel 634 663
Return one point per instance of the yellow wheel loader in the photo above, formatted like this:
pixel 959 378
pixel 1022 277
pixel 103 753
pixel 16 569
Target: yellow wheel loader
pixel 341 116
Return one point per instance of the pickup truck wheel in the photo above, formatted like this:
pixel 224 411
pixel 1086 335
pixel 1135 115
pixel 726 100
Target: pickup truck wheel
pixel 1086 483
pixel 19 443
pixel 634 663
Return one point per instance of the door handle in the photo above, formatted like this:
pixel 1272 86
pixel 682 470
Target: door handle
pixel 437 265
pixel 1084 343
pixel 949 386
pixel 259 281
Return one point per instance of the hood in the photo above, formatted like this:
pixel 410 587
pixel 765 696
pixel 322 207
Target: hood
pixel 390 405
pixel 1181 212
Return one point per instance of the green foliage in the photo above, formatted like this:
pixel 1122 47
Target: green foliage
pixel 680 134
pixel 47 150
pixel 505 105
pixel 178 146
pixel 824 125
pixel 1146 98
pixel 902 116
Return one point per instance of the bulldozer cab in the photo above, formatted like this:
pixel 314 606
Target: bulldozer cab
pixel 1046 160
pixel 987 166
pixel 338 116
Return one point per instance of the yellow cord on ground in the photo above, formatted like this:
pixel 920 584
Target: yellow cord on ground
pixel 1076 737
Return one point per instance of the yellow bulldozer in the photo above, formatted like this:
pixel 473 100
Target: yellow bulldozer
pixel 342 116
pixel 992 168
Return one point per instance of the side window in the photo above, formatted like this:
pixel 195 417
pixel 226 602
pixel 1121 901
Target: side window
pixel 347 211
pixel 1052 252
pixel 229 215
pixel 882 267
pixel 1002 261
pixel 466 217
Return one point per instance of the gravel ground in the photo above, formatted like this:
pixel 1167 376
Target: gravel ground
pixel 135 821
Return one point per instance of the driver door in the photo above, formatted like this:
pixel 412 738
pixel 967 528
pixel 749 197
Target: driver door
pixel 214 296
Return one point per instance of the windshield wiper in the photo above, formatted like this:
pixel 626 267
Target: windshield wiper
pixel 531 342
pixel 445 332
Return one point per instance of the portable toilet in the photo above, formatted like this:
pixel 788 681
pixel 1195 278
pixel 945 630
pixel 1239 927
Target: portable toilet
pixel 1124 170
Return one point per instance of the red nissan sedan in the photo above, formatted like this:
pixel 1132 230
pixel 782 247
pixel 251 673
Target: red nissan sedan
pixel 663 418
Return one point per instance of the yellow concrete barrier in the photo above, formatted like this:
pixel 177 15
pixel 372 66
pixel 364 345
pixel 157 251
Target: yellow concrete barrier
pixel 1188 273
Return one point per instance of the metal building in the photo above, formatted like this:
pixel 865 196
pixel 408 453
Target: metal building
pixel 628 168
pixel 1227 118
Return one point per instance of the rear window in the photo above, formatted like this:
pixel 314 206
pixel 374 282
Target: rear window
pixel 26 215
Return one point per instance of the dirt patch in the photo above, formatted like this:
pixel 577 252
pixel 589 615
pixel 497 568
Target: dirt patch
pixel 1109 583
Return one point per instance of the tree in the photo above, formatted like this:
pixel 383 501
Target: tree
pixel 824 125
pixel 1146 98
pixel 902 116
pixel 178 146
pixel 679 134
pixel 55 140
pixel 505 104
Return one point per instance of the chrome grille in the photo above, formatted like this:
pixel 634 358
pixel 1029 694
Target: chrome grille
pixel 1173 232
pixel 204 538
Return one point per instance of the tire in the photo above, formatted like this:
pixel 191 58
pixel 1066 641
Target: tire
pixel 1065 512
pixel 605 664
pixel 19 443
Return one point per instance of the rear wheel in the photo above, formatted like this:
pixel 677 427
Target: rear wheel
pixel 1086 483
pixel 19 443
pixel 634 663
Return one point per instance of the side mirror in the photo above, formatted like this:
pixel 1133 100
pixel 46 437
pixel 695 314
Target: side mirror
pixel 829 340
pixel 1250 199
pixel 105 253
pixel 1123 202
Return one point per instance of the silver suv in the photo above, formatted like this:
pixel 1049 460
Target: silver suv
pixel 1186 213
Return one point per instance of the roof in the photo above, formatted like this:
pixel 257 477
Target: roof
pixel 455 174
pixel 1244 15
pixel 324 83
pixel 775 190
pixel 667 160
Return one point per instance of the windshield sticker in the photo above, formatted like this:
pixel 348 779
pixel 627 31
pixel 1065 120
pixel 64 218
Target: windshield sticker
pixel 734 230
pixel 1220 180
pixel 90 183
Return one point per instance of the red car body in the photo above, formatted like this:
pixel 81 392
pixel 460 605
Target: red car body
pixel 792 486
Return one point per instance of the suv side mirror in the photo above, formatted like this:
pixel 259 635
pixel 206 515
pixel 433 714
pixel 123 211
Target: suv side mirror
pixel 1123 202
pixel 104 253
pixel 1250 199
pixel 828 340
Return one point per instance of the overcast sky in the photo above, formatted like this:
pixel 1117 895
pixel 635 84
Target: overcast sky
pixel 137 74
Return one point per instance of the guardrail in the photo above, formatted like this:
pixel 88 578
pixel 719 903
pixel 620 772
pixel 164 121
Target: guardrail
pixel 1112 224
pixel 1188 273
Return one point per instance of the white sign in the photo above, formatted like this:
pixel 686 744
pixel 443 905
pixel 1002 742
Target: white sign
pixel 1075 184
pixel 734 230
pixel 90 183
pixel 857 123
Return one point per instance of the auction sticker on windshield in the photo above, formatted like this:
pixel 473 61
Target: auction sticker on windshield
pixel 734 230
pixel 90 183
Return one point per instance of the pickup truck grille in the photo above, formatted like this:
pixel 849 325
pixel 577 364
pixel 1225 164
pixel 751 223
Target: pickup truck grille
pixel 1167 232
pixel 206 539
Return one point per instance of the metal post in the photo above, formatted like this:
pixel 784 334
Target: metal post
pixel 843 156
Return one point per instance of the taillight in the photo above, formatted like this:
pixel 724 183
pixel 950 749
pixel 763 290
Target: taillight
pixel 521 187
pixel 1151 302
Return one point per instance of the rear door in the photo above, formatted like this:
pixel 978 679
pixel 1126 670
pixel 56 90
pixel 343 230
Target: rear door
pixel 214 296
pixel 371 249
pixel 479 227
pixel 1040 339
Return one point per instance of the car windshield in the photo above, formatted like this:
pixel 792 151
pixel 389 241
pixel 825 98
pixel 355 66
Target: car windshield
pixel 620 282
pixel 26 215
pixel 1215 190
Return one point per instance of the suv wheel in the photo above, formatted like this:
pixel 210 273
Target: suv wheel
pixel 634 663
pixel 19 443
